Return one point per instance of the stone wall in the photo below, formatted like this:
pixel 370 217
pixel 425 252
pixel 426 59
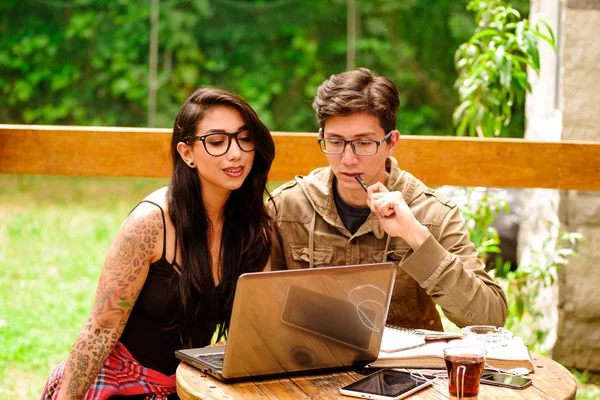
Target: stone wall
pixel 580 70
pixel 578 342
pixel 578 332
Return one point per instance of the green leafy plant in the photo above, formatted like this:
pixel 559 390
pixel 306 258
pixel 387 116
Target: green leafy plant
pixel 585 389
pixel 479 207
pixel 521 285
pixel 492 67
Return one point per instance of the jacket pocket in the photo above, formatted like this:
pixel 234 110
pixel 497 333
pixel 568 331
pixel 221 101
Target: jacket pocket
pixel 322 255
pixel 394 254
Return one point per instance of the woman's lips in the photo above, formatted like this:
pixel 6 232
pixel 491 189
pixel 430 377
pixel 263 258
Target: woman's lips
pixel 234 172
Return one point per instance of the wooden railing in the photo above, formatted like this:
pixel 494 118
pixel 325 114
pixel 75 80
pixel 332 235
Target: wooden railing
pixel 138 152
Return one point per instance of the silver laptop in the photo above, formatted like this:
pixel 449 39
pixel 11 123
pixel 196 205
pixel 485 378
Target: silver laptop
pixel 299 321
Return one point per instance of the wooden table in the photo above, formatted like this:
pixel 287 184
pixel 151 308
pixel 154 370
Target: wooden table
pixel 550 381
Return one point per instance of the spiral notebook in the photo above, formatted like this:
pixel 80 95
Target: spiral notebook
pixel 396 339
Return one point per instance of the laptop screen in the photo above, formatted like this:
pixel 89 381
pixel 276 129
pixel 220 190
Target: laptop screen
pixel 307 319
pixel 330 317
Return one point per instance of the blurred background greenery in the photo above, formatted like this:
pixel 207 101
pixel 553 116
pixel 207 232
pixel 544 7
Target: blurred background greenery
pixel 83 62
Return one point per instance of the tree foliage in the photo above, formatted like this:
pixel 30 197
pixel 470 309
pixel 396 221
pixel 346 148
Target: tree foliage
pixel 492 67
pixel 86 62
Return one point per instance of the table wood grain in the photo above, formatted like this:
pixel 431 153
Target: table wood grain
pixel 550 381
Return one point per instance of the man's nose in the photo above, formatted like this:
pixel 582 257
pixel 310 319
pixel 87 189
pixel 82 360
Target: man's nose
pixel 348 156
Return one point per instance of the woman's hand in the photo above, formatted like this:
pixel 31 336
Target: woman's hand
pixel 395 216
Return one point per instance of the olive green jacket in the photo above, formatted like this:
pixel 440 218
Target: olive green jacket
pixel 444 270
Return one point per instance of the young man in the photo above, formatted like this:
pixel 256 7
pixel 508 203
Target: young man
pixel 327 218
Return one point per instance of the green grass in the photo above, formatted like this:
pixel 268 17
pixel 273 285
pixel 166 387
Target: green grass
pixel 54 232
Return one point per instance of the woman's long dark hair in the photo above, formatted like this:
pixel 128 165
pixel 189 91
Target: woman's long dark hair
pixel 246 243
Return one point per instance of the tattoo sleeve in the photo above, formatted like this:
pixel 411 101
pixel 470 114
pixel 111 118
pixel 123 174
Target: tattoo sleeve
pixel 123 275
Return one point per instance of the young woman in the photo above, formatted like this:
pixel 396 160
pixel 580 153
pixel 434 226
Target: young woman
pixel 169 276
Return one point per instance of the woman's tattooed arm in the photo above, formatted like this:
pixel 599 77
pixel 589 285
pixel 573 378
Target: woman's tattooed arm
pixel 123 275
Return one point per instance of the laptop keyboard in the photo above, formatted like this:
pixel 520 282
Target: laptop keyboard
pixel 213 360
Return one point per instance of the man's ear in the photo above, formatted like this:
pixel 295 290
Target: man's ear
pixel 321 133
pixel 393 142
pixel 185 153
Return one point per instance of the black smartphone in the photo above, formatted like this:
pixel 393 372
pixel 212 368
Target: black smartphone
pixel 387 384
pixel 506 380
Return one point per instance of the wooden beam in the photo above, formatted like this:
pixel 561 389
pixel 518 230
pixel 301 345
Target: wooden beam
pixel 513 163
pixel 84 151
pixel 139 152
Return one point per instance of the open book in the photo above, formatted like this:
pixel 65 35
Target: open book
pixel 514 355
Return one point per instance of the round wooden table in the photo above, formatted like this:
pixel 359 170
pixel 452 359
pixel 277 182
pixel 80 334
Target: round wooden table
pixel 550 381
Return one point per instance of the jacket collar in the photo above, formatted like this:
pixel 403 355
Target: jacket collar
pixel 318 188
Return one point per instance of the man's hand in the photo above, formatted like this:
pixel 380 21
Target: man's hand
pixel 395 216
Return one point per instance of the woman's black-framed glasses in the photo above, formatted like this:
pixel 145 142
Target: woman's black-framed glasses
pixel 360 147
pixel 217 144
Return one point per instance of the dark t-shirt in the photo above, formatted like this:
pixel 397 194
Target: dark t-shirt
pixel 352 217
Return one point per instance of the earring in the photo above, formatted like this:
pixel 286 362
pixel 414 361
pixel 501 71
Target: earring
pixel 192 164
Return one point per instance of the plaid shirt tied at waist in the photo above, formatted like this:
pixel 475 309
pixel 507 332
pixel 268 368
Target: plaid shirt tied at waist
pixel 121 374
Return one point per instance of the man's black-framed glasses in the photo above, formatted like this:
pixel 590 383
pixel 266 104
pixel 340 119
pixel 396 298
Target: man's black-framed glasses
pixel 217 144
pixel 360 147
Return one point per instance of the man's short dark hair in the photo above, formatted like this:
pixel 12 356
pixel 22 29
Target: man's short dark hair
pixel 358 91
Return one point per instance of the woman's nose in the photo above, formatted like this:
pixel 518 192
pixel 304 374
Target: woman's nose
pixel 234 151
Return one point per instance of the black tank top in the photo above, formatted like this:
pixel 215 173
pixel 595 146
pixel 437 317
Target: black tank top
pixel 147 335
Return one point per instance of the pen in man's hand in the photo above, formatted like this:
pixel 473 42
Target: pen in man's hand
pixel 362 183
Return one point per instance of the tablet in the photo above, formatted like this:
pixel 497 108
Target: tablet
pixel 387 384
